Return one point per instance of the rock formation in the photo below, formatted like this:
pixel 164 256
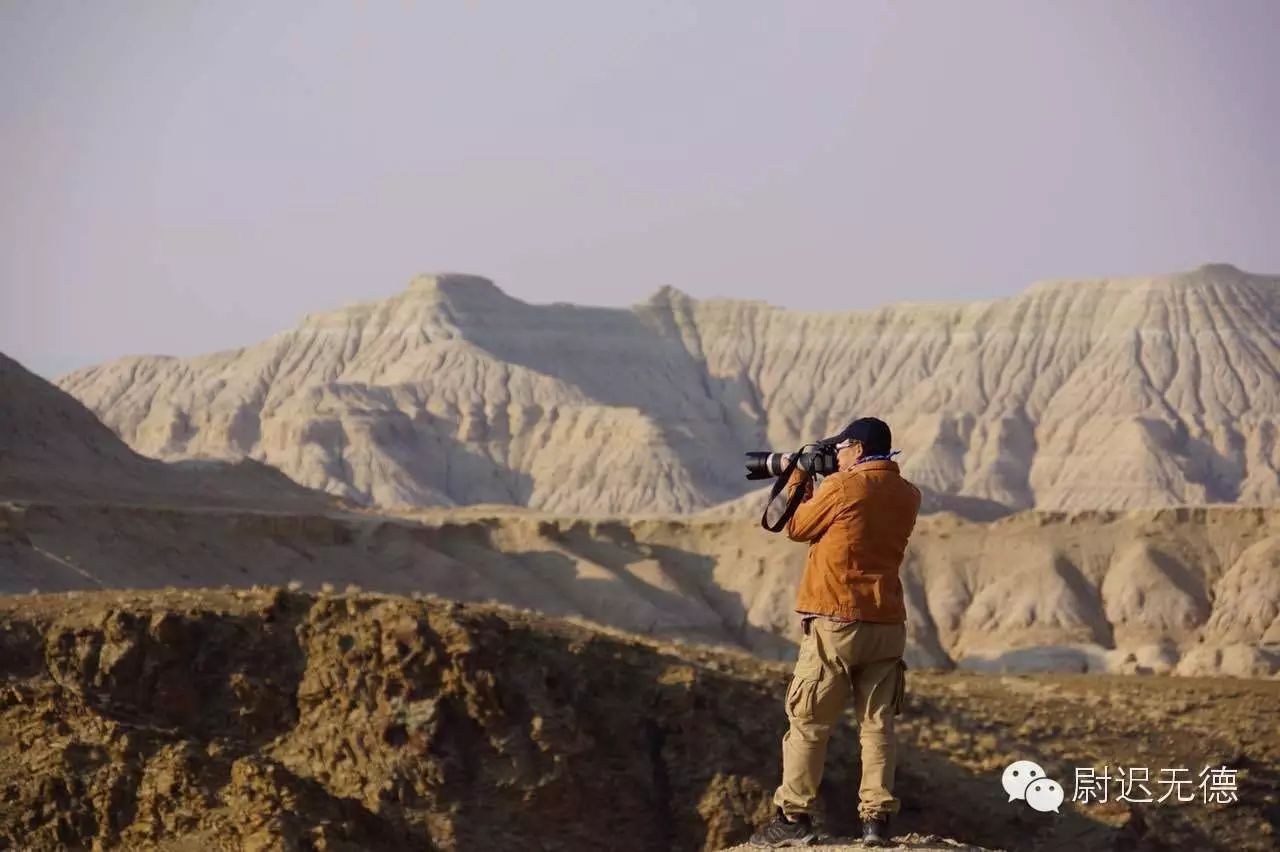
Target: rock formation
pixel 278 721
pixel 53 448
pixel 1186 591
pixel 269 720
pixel 275 718
pixel 1105 394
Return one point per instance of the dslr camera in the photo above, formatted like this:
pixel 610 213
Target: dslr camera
pixel 817 458
pixel 811 459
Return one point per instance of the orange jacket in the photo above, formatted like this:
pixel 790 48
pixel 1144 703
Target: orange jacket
pixel 857 525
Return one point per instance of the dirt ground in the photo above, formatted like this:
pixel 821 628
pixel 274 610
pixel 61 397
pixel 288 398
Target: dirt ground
pixel 903 843
pixel 1091 722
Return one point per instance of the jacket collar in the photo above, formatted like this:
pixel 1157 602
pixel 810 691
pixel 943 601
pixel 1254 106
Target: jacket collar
pixel 878 464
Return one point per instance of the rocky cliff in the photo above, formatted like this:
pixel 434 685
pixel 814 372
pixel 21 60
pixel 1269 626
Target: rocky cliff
pixel 281 722
pixel 270 720
pixel 1102 394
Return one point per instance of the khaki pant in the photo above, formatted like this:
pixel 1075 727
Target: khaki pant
pixel 862 660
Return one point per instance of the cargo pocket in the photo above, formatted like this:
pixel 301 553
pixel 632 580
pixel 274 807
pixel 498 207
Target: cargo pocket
pixel 900 688
pixel 802 695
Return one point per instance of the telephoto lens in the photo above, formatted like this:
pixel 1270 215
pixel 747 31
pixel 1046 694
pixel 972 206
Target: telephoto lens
pixel 766 465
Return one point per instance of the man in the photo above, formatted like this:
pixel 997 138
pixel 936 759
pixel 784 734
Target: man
pixel 854 621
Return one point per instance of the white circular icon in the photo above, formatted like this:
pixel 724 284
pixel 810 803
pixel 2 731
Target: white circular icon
pixel 1018 775
pixel 1044 795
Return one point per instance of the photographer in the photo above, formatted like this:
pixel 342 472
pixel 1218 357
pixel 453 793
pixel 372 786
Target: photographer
pixel 850 601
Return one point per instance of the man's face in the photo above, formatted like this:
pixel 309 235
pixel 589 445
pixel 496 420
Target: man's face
pixel 848 453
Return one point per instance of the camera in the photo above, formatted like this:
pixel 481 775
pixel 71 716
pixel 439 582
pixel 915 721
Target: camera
pixel 812 458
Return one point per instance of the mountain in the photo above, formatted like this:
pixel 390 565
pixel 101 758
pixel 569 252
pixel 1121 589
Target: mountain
pixel 1099 394
pixel 53 448
pixel 272 720
pixel 1186 590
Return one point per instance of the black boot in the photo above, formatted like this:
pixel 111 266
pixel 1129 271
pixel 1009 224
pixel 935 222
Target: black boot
pixel 783 832
pixel 875 831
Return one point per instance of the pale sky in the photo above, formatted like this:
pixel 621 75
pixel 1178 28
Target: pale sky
pixel 181 177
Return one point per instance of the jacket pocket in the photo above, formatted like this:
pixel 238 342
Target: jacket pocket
pixel 900 689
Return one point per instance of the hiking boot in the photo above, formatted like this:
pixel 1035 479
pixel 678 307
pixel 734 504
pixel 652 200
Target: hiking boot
pixel 875 831
pixel 783 832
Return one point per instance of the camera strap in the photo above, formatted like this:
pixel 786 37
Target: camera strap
pixel 793 502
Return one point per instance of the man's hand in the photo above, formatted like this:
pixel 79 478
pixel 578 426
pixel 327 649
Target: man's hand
pixel 799 477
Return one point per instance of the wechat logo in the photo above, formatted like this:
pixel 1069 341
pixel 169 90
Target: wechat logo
pixel 1025 779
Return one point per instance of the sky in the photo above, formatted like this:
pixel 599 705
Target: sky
pixel 179 178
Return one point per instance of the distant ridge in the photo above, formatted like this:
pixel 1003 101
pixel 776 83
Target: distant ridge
pixel 53 448
pixel 1093 394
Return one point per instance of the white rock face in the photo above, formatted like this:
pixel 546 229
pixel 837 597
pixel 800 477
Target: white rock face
pixel 1102 394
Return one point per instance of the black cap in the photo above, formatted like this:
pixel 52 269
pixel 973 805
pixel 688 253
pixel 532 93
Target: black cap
pixel 872 433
